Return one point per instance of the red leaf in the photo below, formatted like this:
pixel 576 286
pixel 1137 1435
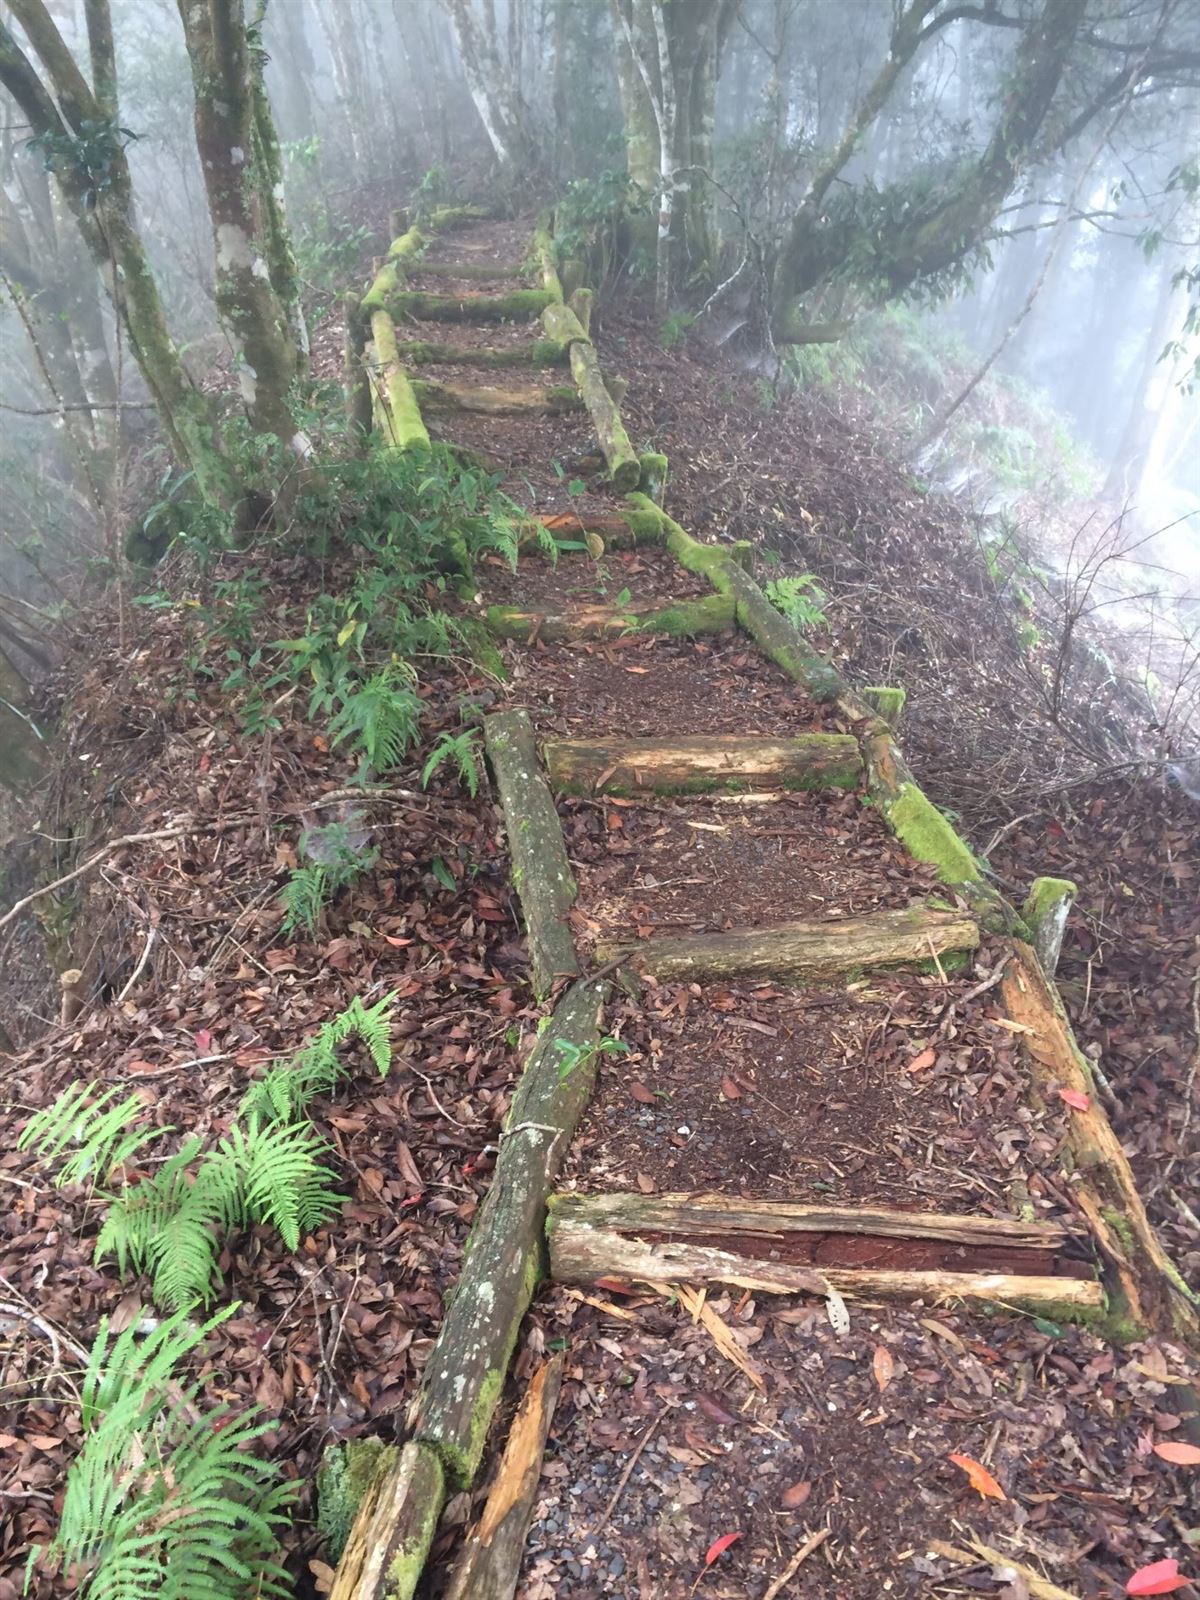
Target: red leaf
pixel 1075 1098
pixel 730 1089
pixel 925 1059
pixel 1160 1577
pixel 203 1041
pixel 981 1479
pixel 884 1366
pixel 1183 1455
pixel 641 1094
pixel 719 1546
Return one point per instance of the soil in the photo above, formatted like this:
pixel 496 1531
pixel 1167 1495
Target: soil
pixel 699 866
pixel 896 1091
pixel 645 685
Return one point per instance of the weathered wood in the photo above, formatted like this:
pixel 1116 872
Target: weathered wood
pixel 545 255
pixel 356 380
pixel 540 869
pixel 685 618
pixel 490 401
pixel 695 1215
pixel 389 1542
pixel 477 271
pixel 562 325
pixel 397 414
pixel 624 468
pixel 807 952
pixel 1046 909
pixel 489 1564
pixel 620 530
pixel 518 305
pixel 1154 1293
pixel 887 701
pixel 701 764
pixel 580 1254
pixel 505 1255
pixel 537 353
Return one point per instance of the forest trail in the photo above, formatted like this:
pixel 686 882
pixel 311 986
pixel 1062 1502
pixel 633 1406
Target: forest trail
pixel 838 1246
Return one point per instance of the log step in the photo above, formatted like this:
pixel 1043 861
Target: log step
pixel 781 1248
pixel 519 305
pixel 537 353
pixel 710 614
pixel 700 765
pixel 809 952
pixel 488 400
pixel 481 271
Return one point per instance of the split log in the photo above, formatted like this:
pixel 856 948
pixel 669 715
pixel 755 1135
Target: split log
pixel 540 871
pixel 1155 1295
pixel 624 468
pixel 505 1255
pixel 563 326
pixel 489 1566
pixel 684 618
pixel 389 1542
pixel 702 764
pixel 808 952
pixel 519 305
pixel 584 1255
pixel 1046 909
pixel 886 702
pixel 396 410
pixel 486 400
pixel 537 353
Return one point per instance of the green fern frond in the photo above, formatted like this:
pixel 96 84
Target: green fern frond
pixel 100 1124
pixel 546 542
pixel 380 718
pixel 462 750
pixel 304 898
pixel 283 1182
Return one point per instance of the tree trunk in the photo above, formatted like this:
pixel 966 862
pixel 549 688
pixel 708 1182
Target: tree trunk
pixel 1151 389
pixel 493 89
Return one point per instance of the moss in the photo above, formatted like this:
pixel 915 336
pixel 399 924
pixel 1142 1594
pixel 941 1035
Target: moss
pixel 518 305
pixel 922 828
pixel 346 1472
pixel 710 614
pixel 888 702
pixel 653 481
pixel 1045 899
pixel 1121 1226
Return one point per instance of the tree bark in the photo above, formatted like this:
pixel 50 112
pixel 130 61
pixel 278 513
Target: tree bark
pixel 807 952
pixel 493 89
pixel 700 765
pixel 397 413
pixel 397 1519
pixel 624 468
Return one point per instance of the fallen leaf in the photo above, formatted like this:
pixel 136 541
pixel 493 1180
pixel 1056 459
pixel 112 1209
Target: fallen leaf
pixel 925 1059
pixel 980 1478
pixel 883 1366
pixel 1182 1455
pixel 835 1310
pixel 719 1546
pixel 714 1410
pixel 1160 1577
pixel 1075 1098
pixel 794 1497
pixel 641 1094
pixel 730 1089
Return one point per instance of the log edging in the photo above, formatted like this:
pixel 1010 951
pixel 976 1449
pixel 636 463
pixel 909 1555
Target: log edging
pixel 702 765
pixel 685 618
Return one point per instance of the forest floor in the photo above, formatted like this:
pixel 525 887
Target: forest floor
pixel 672 1444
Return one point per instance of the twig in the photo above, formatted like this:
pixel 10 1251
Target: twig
pixel 629 1466
pixel 141 966
pixel 111 849
pixel 813 1542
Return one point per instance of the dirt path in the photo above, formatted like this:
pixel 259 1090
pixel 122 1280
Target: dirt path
pixel 947 1380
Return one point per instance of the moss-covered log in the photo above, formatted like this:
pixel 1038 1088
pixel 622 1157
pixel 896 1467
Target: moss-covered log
pixel 1046 909
pixel 397 414
pixel 1154 1294
pixel 624 468
pixel 546 257
pixel 489 1565
pixel 505 1255
pixel 808 952
pixel 702 764
pixel 491 401
pixel 402 256
pixel 653 480
pixel 356 379
pixel 563 326
pixel 519 305
pixel 442 219
pixel 620 530
pixel 887 702
pixel 476 271
pixel 684 618
pixel 389 1542
pixel 537 353
pixel 540 869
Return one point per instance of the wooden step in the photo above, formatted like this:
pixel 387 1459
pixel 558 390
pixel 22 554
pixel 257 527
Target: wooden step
pixel 488 400
pixel 535 353
pixel 783 1248
pixel 519 305
pixel 808 952
pixel 709 614
pixel 700 765
pixel 480 271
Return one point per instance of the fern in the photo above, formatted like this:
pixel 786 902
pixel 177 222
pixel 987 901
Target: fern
pixel 337 856
pixel 380 719
pixel 800 599
pixel 461 749
pixel 282 1181
pixel 161 1499
pixel 98 1123
pixel 289 1087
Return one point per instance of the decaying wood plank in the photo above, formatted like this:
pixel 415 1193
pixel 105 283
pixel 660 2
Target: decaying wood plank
pixel 807 952
pixel 385 1554
pixel 541 872
pixel 516 305
pixel 489 400
pixel 624 468
pixel 698 765
pixel 505 1255
pixel 489 1565
pixel 709 614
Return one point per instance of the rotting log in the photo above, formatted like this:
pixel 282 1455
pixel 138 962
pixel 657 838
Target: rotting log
pixel 1155 1296
pixel 624 468
pixel 537 353
pixel 563 326
pixel 356 379
pixel 701 764
pixel 489 401
pixel 397 413
pixel 518 305
pixel 478 271
pixel 886 702
pixel 682 618
pixel 489 1565
pixel 443 218
pixel 584 1255
pixel 626 529
pixel 389 1542
pixel 1046 909
pixel 653 480
pixel 808 952
pixel 401 257
pixel 541 872
pixel 544 253
pixel 581 304
pixel 505 1254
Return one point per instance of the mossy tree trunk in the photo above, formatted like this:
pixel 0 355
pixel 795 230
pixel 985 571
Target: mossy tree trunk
pixel 493 88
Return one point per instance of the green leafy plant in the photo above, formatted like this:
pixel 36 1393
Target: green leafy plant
pixel 163 1498
pixel 336 856
pixel 461 751
pixel 572 1056
pixel 289 1087
pixel 801 600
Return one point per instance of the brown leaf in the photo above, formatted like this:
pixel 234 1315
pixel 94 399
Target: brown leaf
pixel 925 1059
pixel 883 1366
pixel 730 1089
pixel 979 1477
pixel 1178 1453
pixel 794 1497
pixel 641 1094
